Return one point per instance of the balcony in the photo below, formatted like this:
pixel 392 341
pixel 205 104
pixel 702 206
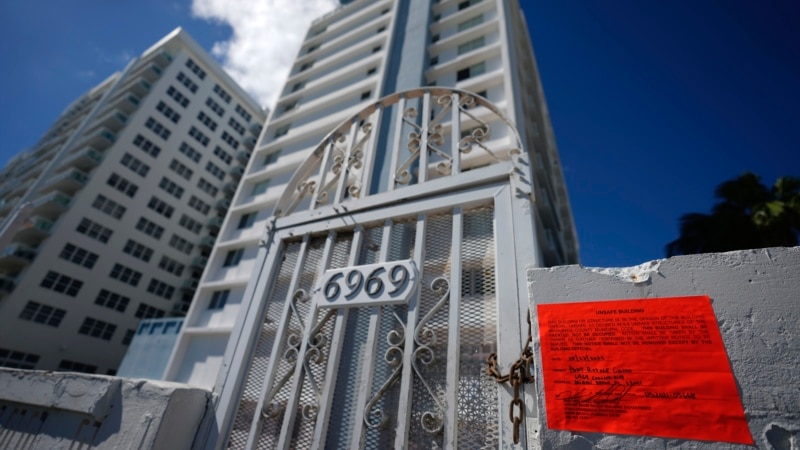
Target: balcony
pixel 15 257
pixel 99 140
pixel 190 284
pixel 255 129
pixel 51 205
pixel 85 159
pixel 199 262
pixel 114 120
pixel 7 204
pixel 7 284
pixel 223 204
pixel 207 243
pixel 68 182
pixel 35 229
pixel 249 142
pixel 230 188
pixel 236 172
pixel 243 157
pixel 214 223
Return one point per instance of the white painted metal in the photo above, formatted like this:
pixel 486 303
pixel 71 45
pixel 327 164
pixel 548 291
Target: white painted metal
pixel 379 375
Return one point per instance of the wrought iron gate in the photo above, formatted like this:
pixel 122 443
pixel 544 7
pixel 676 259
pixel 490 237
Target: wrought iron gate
pixel 373 308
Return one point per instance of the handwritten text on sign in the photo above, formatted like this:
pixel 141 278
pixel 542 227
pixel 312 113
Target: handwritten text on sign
pixel 654 367
pixel 373 284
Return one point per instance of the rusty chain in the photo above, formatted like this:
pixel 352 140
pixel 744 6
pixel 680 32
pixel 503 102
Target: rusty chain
pixel 519 374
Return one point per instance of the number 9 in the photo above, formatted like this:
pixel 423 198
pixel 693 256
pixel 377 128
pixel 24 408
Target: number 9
pixel 399 278
pixel 374 282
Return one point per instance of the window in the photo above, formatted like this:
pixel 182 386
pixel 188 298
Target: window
pixel 470 71
pixel 434 61
pixel 190 224
pixel 171 187
pixel 260 187
pixel 169 265
pixel 213 169
pixel 243 113
pixel 97 328
pixel 108 206
pixel 79 256
pixel 168 112
pixel 306 66
pixel 73 366
pixel 312 48
pixel 230 140
pixel 17 360
pixel 157 128
pixel 94 230
pixel 282 130
pixel 146 145
pixel 43 314
pixel 128 337
pixel 466 4
pixel 207 187
pixel 160 289
pixel 123 185
pixel 470 45
pixel 469 23
pixel 181 244
pixel 222 93
pixel 218 299
pixel 319 31
pixel 435 38
pixel 196 69
pixel 233 257
pixel 112 300
pixel 246 221
pixel 178 97
pixel 223 155
pixel 207 121
pixel 382 29
pixel 160 207
pixel 271 158
pixel 61 283
pixel 149 228
pixel 135 164
pixel 190 152
pixel 298 86
pixel 145 311
pixel 181 169
pixel 199 205
pixel 125 275
pixel 239 128
pixel 138 250
pixel 218 110
pixel 186 81
pixel 366 95
pixel 437 17
pixel 198 136
pixel 372 70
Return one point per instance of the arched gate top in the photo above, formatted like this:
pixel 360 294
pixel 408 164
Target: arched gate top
pixel 379 149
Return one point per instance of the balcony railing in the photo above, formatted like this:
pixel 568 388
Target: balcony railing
pixel 207 243
pixel 214 223
pixel 68 182
pixel 199 262
pixel 223 204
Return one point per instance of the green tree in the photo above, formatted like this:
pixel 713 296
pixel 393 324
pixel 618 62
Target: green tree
pixel 748 215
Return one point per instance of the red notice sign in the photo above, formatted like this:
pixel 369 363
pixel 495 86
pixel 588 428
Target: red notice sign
pixel 650 367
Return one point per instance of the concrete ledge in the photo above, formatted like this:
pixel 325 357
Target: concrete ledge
pixel 74 392
pixel 755 295
pixel 63 410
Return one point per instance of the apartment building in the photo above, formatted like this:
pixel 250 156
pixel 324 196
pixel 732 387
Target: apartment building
pixel 110 217
pixel 352 57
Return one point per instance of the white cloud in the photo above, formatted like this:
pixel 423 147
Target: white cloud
pixel 266 37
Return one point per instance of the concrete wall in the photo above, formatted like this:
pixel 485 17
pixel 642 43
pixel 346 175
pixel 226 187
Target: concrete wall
pixel 68 410
pixel 754 295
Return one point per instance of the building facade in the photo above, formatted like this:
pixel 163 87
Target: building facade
pixel 110 217
pixel 352 57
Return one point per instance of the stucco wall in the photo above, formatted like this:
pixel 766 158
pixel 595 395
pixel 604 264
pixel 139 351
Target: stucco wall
pixel 756 299
pixel 50 410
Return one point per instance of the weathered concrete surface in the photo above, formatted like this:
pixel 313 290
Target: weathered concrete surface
pixel 50 410
pixel 756 298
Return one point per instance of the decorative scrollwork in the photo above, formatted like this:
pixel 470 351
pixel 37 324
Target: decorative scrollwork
pixel 478 135
pixel 375 417
pixel 344 164
pixel 425 338
pixel 434 133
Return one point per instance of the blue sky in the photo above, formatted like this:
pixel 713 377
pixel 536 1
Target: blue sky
pixel 653 103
